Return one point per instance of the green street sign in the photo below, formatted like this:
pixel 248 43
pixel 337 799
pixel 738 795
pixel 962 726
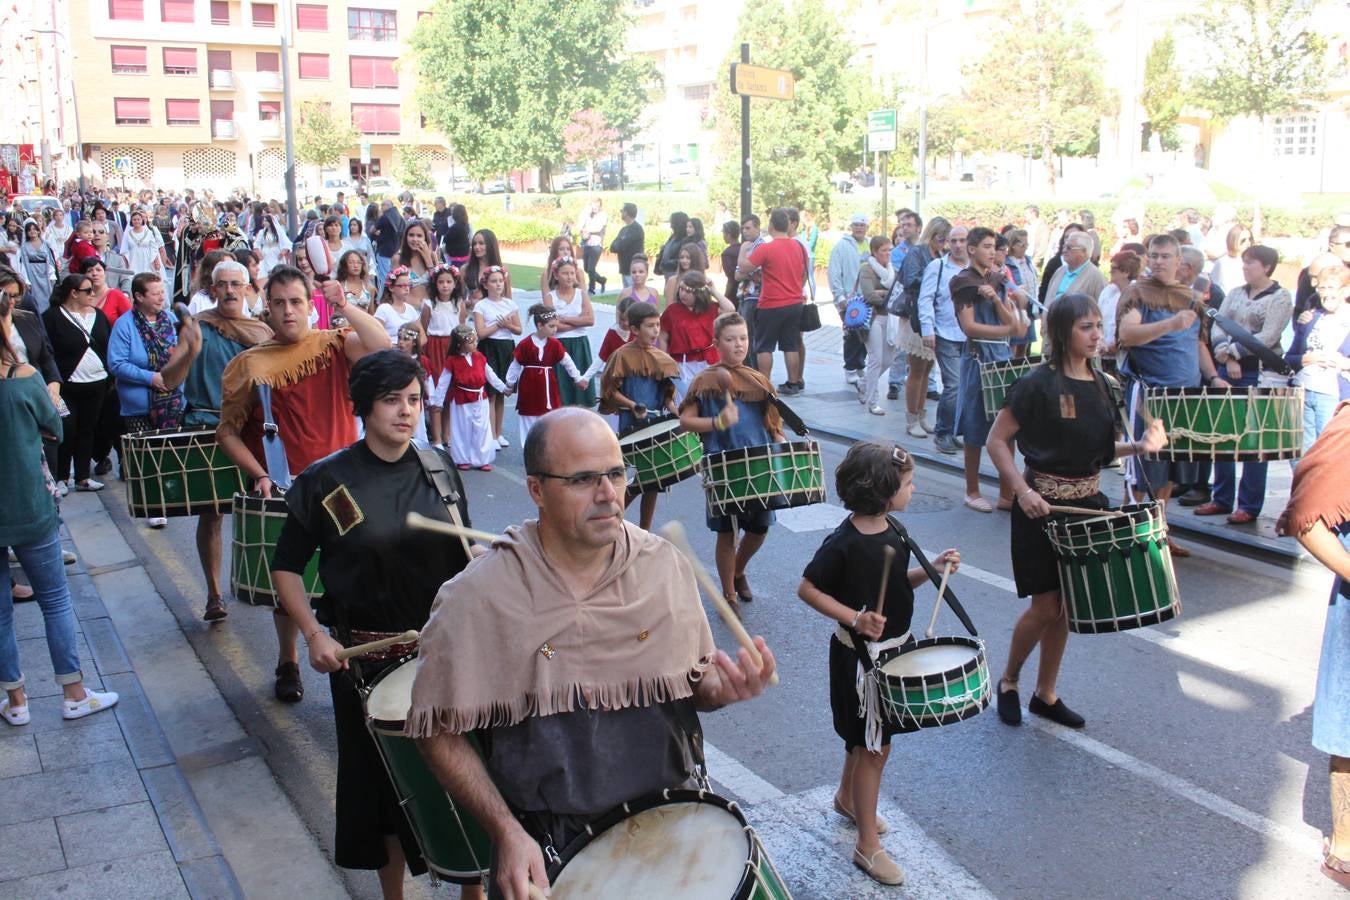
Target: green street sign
pixel 881 131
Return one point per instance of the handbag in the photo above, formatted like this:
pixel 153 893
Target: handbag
pixel 810 312
pixel 897 302
pixel 857 313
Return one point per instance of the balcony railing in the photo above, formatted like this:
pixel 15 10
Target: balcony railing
pixel 268 129
pixel 222 128
pixel 222 80
pixel 268 81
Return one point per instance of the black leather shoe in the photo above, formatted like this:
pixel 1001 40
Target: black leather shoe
pixel 288 688
pixel 1194 498
pixel 892 393
pixel 1009 708
pixel 934 396
pixel 1056 713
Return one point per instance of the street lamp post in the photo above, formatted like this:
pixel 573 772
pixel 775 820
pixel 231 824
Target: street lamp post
pixel 75 105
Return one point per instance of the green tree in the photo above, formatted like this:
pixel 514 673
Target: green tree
pixel 948 131
pixel 321 138
pixel 1048 53
pixel 1163 96
pixel 501 78
pixel 794 144
pixel 411 172
pixel 587 136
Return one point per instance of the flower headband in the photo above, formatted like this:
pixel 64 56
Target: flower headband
pixel 442 269
pixel 491 270
pixel 562 261
pixel 395 274
pixel 409 333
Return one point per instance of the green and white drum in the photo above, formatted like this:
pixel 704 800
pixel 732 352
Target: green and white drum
pixel 1115 571
pixel 177 473
pixel 771 476
pixel 997 377
pixel 454 845
pixel 663 454
pixel 255 527
pixel 1241 424
pixel 933 682
pixel 675 845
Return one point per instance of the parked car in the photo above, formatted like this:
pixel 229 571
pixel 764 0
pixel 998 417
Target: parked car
pixel 499 186
pixel 575 176
pixel 460 184
pixel 336 184
pixel 641 172
pixel 679 167
pixel 381 185
pixel 31 203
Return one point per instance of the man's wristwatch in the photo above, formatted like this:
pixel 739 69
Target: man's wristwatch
pixel 260 478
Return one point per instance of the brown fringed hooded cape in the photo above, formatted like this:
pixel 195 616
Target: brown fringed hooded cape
pixel 1321 488
pixel 747 385
pixel 634 359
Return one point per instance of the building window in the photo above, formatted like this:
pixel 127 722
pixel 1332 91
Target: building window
pixel 372 72
pixel 311 18
pixel 268 61
pixel 220 12
pixel 372 25
pixel 126 10
pixel 131 110
pixel 1295 135
pixel 182 112
pixel 176 10
pixel 269 111
pixel 314 65
pixel 697 91
pixel 222 118
pixel 129 60
pixel 180 61
pixel 375 118
pixel 264 15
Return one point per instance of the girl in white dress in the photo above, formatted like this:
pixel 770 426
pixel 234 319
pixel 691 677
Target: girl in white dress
pixel 496 318
pixel 396 308
pixel 462 387
pixel 442 312
pixel 274 244
pixel 575 318
pixel 143 246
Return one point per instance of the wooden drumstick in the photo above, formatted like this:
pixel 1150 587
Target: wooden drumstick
pixel 417 520
pixel 1084 511
pixel 885 577
pixel 406 637
pixel 942 589
pixel 674 532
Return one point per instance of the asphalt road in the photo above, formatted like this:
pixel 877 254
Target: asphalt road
pixel 1194 777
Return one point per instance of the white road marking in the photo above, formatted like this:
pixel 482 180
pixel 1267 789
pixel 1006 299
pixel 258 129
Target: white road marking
pixel 816 517
pixel 738 779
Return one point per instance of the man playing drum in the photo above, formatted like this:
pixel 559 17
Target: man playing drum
pixel 1164 336
pixel 306 373
pixel 381 579
pixel 578 651
pixel 227 331
pixel 1063 417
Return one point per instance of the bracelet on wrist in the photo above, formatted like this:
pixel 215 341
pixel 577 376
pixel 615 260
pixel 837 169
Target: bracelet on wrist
pixel 1029 490
pixel 853 626
pixel 309 638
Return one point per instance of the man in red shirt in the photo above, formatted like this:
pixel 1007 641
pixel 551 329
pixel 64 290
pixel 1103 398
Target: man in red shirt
pixel 307 372
pixel 781 264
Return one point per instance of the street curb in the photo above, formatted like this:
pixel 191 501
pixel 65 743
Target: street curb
pixel 205 871
pixel 1281 553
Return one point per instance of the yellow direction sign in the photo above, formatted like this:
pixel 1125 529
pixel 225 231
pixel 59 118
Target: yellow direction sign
pixel 758 81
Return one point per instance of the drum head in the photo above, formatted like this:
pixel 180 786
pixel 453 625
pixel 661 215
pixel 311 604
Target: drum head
pixel 675 851
pixel 390 696
pixel 660 429
pixel 931 660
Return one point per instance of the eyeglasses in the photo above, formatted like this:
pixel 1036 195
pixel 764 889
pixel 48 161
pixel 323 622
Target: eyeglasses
pixel 617 477
pixel 18 294
pixel 88 290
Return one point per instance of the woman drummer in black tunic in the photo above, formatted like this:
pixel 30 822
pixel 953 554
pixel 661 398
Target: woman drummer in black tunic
pixel 380 579
pixel 1064 416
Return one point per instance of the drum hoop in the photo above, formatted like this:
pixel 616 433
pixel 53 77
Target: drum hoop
pixel 666 429
pixel 935 678
pixel 1112 626
pixel 667 797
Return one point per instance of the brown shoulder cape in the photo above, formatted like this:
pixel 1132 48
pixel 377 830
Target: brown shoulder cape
pixel 246 331
pixel 508 638
pixel 1321 489
pixel 275 364
pixel 747 385
pixel 633 359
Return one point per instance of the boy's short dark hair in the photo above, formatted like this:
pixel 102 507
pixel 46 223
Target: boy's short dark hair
pixel 725 321
pixel 979 235
pixel 639 313
pixel 870 475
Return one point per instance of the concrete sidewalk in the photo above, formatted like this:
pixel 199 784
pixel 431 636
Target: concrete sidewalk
pixel 97 807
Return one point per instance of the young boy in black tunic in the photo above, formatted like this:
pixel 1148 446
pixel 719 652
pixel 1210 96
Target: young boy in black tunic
pixel 380 579
pixel 842 581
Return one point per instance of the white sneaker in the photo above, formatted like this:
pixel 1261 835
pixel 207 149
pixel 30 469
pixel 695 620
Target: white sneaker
pixel 877 410
pixel 851 377
pixel 14 715
pixel 157 521
pixel 90 485
pixel 94 701
pixel 62 488
pixel 503 442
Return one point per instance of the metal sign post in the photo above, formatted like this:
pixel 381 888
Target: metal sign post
pixel 756 81
pixel 881 139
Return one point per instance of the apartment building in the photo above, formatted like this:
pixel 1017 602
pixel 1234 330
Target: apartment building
pixel 190 90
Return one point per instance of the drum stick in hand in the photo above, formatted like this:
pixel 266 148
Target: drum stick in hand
pixel 674 532
pixel 417 520
pixel 1084 511
pixel 942 589
pixel 406 637
pixel 885 578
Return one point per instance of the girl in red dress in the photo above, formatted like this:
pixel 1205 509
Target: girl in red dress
pixel 532 369
pixel 687 326
pixel 461 387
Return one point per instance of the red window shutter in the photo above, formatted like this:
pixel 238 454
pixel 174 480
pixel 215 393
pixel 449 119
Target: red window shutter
pixel 128 57
pixel 385 76
pixel 269 109
pixel 176 10
pixel 126 9
pixel 219 60
pixel 222 110
pixel 313 65
pixel 360 71
pixel 264 15
pixel 363 118
pixel 373 72
pixel 180 58
pixel 131 108
pixel 387 119
pixel 269 62
pixel 220 12
pixel 311 18
pixel 181 112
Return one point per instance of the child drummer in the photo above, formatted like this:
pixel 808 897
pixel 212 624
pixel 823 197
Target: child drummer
pixel 843 581
pixel 640 378
pixel 731 406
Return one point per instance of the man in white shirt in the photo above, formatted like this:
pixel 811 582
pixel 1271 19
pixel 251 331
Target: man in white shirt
pixel 943 335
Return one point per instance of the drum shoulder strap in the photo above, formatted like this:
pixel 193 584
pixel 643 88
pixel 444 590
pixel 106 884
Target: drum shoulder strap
pixel 437 473
pixel 686 714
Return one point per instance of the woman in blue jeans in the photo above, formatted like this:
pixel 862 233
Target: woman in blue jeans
pixel 1318 351
pixel 28 524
